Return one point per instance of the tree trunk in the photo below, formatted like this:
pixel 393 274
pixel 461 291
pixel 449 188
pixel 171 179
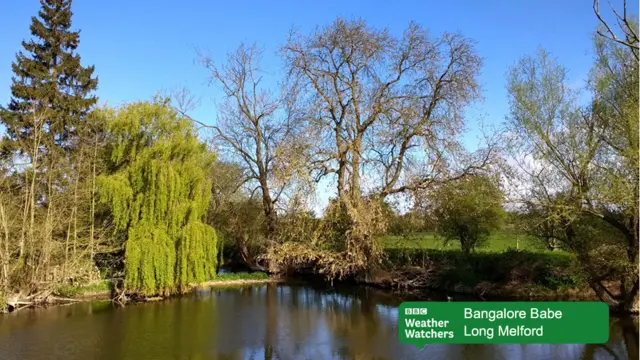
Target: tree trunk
pixel 66 251
pixel 269 211
pixel 47 239
pixel 630 336
pixel 75 208
pixel 5 254
pixel 30 202
pixel 93 204
pixel 354 186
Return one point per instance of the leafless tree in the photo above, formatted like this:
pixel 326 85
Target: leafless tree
pixel 257 127
pixel 387 107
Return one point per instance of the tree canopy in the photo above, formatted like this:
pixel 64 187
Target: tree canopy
pixel 158 190
pixel 580 161
pixel 468 209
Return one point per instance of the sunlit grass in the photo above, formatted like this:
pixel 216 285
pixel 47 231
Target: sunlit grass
pixel 241 276
pixel 497 242
pixel 102 286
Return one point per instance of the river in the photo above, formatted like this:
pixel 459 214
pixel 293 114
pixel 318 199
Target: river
pixel 270 321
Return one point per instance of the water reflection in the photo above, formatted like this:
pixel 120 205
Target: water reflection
pixel 263 322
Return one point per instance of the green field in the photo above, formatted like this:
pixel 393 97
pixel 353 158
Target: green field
pixel 511 265
pixel 498 242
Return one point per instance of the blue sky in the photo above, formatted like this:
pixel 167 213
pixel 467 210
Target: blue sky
pixel 141 47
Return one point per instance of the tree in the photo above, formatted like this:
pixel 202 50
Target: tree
pixel 158 191
pixel 257 128
pixel 50 99
pixel 581 162
pixel 390 107
pixel 629 28
pixel 385 103
pixel 50 82
pixel 468 210
pixel 538 221
pixel 238 218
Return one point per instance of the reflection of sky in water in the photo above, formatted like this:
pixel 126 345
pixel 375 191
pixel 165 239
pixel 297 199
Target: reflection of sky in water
pixel 261 322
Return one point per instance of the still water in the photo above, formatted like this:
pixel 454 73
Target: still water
pixel 270 321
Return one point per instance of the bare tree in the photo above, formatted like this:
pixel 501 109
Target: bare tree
pixel 257 127
pixel 385 105
pixel 386 113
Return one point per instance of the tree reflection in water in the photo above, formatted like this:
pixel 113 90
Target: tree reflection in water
pixel 261 322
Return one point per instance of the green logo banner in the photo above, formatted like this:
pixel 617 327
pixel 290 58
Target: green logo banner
pixel 423 323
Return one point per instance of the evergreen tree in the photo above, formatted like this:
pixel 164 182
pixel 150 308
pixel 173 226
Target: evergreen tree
pixel 49 83
pixel 158 191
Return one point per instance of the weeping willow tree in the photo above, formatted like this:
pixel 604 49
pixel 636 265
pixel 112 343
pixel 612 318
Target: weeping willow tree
pixel 159 193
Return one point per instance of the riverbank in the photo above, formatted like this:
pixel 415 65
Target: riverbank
pixel 104 290
pixel 483 291
pixel 513 274
pixel 505 266
pixel 239 279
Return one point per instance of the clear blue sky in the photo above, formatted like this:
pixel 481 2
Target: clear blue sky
pixel 141 47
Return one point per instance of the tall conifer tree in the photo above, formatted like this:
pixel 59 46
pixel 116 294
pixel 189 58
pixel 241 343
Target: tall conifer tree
pixel 48 82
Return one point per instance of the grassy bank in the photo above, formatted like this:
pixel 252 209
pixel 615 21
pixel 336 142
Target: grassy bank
pixel 238 279
pixel 241 276
pixel 503 266
pixel 93 289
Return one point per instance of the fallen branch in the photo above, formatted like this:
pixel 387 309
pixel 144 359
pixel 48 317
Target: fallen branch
pixel 61 299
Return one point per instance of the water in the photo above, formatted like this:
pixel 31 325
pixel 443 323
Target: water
pixel 260 322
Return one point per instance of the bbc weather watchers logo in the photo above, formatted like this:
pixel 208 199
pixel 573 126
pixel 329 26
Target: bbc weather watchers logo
pixel 415 311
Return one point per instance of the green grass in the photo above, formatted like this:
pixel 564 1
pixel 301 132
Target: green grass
pixel 502 260
pixel 497 242
pixel 241 276
pixel 101 286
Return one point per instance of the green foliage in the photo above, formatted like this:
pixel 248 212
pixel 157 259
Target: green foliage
pixel 407 223
pixel 336 224
pixel 51 98
pixel 497 241
pixel 513 268
pixel 583 183
pixel 66 290
pixel 159 194
pixel 50 77
pixel 467 210
pixel 197 253
pixel 542 224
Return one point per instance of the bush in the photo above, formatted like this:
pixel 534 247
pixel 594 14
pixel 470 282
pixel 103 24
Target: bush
pixel 512 267
pixel 468 210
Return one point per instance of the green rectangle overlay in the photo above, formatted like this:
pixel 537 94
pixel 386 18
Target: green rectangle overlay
pixel 423 323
